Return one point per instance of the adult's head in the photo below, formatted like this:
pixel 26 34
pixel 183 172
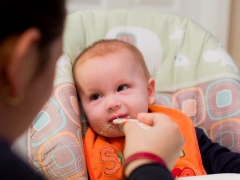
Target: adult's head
pixel 30 44
pixel 18 16
pixel 112 82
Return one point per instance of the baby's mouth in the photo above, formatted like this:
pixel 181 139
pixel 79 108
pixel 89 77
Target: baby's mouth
pixel 118 117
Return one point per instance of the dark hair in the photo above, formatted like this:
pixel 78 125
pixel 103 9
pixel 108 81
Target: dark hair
pixel 48 16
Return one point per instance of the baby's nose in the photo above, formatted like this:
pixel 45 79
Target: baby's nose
pixel 113 104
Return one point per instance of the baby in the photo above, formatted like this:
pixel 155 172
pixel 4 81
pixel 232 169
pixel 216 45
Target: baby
pixel 112 85
pixel 113 82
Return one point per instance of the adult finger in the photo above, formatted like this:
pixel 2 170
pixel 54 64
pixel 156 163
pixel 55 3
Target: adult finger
pixel 129 126
pixel 152 118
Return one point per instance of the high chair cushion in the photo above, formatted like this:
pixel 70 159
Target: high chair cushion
pixel 192 70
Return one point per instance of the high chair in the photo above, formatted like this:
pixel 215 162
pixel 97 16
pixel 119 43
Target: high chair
pixel 192 70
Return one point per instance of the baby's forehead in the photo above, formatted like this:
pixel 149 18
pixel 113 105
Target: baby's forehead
pixel 104 50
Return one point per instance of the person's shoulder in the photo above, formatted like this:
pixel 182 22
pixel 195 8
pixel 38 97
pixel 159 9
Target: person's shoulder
pixel 199 131
pixel 12 167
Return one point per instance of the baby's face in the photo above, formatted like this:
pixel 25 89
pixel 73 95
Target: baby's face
pixel 112 87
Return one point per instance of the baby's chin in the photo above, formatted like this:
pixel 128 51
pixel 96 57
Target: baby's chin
pixel 110 130
pixel 111 134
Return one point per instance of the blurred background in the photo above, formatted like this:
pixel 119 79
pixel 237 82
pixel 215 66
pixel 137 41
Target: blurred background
pixel 220 17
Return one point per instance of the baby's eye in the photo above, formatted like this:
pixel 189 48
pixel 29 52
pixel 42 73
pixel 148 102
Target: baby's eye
pixel 95 97
pixel 122 88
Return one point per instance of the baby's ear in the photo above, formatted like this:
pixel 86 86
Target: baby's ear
pixel 151 91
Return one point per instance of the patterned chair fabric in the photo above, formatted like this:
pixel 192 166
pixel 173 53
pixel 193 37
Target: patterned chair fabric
pixel 192 70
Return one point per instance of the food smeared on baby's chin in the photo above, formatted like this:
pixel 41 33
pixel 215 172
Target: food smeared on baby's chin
pixel 105 129
pixel 115 127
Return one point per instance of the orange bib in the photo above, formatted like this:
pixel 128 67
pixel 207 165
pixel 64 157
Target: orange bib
pixel 104 156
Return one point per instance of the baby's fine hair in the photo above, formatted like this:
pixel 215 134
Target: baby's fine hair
pixel 106 46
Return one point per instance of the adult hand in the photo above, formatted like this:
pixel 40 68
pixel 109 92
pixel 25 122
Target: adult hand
pixel 162 139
